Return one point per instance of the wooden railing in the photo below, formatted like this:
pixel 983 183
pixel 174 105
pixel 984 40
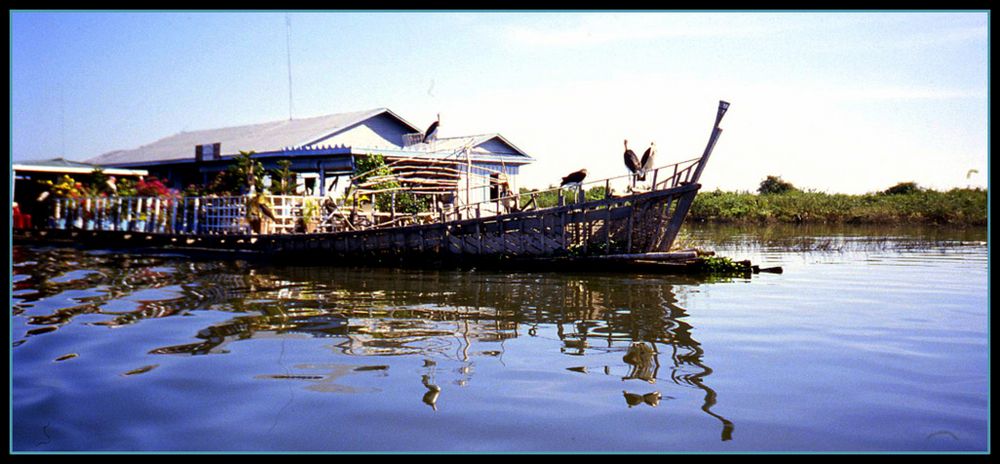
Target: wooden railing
pixel 177 215
pixel 661 178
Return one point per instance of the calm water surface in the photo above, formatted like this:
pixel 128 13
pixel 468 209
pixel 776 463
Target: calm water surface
pixel 871 340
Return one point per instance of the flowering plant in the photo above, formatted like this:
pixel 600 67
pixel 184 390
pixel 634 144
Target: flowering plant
pixel 66 187
pixel 151 187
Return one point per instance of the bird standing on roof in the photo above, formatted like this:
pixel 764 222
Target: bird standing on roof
pixel 432 131
pixel 631 161
pixel 647 161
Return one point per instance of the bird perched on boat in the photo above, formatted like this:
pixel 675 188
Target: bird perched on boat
pixel 647 161
pixel 631 161
pixel 432 131
pixel 574 179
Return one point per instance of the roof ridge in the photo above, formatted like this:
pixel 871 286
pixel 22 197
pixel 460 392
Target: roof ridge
pixel 494 134
pixel 270 123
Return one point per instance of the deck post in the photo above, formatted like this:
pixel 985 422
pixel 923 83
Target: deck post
pixel 503 238
pixel 631 219
pixel 562 228
pixel 184 216
pixel 173 215
pixel 128 215
pixel 607 230
pixel 194 215
pixel 109 212
pixel 154 221
pixel 479 236
pixel 98 213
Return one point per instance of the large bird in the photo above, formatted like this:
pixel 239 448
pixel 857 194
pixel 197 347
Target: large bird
pixel 647 161
pixel 432 131
pixel 631 161
pixel 574 179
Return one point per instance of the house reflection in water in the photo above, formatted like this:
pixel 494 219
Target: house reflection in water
pixel 384 312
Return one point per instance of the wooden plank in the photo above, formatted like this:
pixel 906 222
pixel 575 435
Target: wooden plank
pixel 654 256
pixel 677 219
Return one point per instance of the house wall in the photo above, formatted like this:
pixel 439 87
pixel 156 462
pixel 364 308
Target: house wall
pixel 479 184
pixel 496 146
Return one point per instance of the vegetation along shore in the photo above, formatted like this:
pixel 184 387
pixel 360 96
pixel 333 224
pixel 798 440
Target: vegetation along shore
pixel 778 201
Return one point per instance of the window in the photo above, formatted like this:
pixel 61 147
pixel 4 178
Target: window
pixel 494 186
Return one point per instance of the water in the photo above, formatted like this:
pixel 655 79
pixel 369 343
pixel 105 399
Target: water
pixel 871 340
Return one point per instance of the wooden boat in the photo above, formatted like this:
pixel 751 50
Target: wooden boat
pixel 638 227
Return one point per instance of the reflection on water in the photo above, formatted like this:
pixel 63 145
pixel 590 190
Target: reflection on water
pixel 374 312
pixel 835 238
pixel 108 346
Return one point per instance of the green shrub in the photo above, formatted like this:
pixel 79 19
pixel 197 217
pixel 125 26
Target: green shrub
pixel 774 185
pixel 902 188
pixel 283 179
pixel 374 165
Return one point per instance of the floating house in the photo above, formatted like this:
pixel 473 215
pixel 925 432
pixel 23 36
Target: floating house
pixel 323 150
pixel 632 229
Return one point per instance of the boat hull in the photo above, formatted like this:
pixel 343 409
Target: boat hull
pixel 639 223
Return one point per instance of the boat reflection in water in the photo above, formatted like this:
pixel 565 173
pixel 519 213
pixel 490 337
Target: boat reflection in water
pixel 385 312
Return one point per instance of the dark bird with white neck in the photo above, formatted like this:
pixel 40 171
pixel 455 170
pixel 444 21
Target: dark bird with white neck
pixel 647 161
pixel 574 179
pixel 631 162
pixel 432 131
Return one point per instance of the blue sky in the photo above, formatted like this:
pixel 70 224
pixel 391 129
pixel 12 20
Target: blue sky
pixel 846 102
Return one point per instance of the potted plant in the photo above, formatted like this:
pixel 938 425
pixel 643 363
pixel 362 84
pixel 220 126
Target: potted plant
pixel 310 216
pixel 259 212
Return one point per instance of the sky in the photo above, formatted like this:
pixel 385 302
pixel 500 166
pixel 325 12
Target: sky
pixel 839 102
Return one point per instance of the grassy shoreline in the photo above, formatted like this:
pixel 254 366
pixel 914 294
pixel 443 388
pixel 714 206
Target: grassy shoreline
pixel 965 207
pixel 956 207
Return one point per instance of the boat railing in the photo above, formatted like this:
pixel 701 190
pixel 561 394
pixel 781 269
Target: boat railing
pixel 659 178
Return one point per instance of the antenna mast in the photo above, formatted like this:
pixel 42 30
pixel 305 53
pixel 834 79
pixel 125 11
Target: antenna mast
pixel 62 119
pixel 288 50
